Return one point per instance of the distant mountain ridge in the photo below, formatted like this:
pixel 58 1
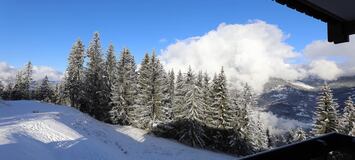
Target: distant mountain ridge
pixel 297 100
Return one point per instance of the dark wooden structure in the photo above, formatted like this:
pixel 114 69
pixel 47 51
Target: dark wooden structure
pixel 314 148
pixel 338 14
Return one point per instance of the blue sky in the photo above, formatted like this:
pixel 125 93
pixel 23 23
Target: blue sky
pixel 43 31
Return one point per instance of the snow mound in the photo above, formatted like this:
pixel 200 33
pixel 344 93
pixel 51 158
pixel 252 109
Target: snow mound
pixel 34 130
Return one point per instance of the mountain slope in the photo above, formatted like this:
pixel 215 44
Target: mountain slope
pixel 297 100
pixel 33 130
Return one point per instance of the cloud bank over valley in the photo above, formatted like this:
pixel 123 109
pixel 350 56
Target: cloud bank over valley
pixel 257 51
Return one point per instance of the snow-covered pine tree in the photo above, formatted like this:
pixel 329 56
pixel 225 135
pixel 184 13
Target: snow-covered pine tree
pixel 8 90
pixel 179 97
pixel 212 113
pixel 18 88
pixel 23 82
pixel 156 80
pixel 243 103
pixel 199 79
pixel 269 140
pixel 298 135
pixel 111 72
pixel 242 115
pixel 224 114
pixel 75 75
pixel 123 89
pixel 97 94
pixel 248 97
pixel 241 139
pixel 111 65
pixel 166 107
pixel 1 90
pixel 206 95
pixel 202 85
pixel 171 93
pixel 27 80
pixel 45 92
pixel 326 118
pixel 258 137
pixel 249 133
pixel 56 92
pixel 142 108
pixel 60 95
pixel 256 127
pixel 352 133
pixel 192 111
pixel 348 117
pixel 148 108
pixel 194 105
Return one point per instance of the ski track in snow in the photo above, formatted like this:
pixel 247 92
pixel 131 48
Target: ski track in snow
pixel 34 130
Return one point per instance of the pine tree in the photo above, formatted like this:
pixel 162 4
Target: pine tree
pixel 111 72
pixel 167 87
pixel 352 133
pixel 45 92
pixel 223 113
pixel 149 107
pixel 124 89
pixel 249 136
pixel 206 95
pixel 298 135
pixel 269 140
pixel 111 65
pixel 193 111
pixel 27 80
pixel 97 94
pixel 1 90
pixel 326 119
pixel 212 113
pixel 242 111
pixel 75 75
pixel 241 121
pixel 260 135
pixel 60 96
pixel 8 90
pixel 179 97
pixel 19 87
pixel 142 106
pixel 199 79
pixel 156 92
pixel 171 93
pixel 348 118
pixel 243 103
pixel 194 106
pixel 56 94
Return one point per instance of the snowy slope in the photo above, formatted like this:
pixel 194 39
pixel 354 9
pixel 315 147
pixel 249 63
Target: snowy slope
pixel 33 130
pixel 302 85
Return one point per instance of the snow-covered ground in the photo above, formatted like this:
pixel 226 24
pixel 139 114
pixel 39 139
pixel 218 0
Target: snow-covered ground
pixel 34 130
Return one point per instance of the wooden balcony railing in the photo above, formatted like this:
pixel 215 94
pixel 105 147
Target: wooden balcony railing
pixel 317 148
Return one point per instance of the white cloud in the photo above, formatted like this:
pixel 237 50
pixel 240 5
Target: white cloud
pixel 252 53
pixel 343 54
pixel 325 69
pixel 322 48
pixel 40 71
pixel 277 125
pixel 8 72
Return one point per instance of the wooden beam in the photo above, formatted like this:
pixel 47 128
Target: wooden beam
pixel 338 28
